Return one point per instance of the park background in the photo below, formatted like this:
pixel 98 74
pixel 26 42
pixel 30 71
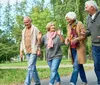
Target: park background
pixel 41 12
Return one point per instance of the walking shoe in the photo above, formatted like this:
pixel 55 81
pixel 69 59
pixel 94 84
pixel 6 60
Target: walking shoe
pixel 71 83
pixel 58 83
pixel 83 83
pixel 51 84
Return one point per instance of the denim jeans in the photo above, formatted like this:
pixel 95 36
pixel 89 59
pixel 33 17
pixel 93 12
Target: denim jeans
pixel 77 68
pixel 96 58
pixel 32 71
pixel 54 65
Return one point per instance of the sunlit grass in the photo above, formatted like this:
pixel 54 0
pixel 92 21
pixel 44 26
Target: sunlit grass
pixel 39 63
pixel 17 76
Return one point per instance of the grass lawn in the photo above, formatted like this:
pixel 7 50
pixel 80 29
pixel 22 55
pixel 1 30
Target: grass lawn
pixel 17 76
pixel 39 63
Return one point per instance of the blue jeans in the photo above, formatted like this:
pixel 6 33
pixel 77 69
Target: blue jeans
pixel 77 68
pixel 54 65
pixel 96 58
pixel 32 71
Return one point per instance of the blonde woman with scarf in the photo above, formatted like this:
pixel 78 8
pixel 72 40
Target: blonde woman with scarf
pixel 52 41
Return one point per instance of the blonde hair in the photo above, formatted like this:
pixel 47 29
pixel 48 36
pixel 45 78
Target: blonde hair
pixel 49 25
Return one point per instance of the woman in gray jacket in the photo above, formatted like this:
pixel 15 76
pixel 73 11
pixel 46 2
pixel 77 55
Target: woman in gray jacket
pixel 52 41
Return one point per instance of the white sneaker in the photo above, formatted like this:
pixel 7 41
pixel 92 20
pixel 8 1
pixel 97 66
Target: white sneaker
pixel 51 84
pixel 83 83
pixel 71 83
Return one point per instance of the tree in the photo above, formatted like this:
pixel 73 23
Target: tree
pixel 8 18
pixel 80 4
pixel 40 18
pixel 8 48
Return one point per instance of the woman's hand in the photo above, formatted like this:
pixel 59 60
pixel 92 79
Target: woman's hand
pixel 74 41
pixel 59 32
pixel 83 33
pixel 67 41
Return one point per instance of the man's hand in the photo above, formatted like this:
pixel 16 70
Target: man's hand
pixel 98 36
pixel 39 35
pixel 38 52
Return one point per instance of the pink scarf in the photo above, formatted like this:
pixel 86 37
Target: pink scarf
pixel 50 36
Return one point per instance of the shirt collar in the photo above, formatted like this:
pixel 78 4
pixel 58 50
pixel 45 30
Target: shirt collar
pixel 93 16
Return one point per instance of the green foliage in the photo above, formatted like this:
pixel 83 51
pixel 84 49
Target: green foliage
pixel 7 52
pixel 40 18
pixel 40 15
pixel 21 8
pixel 79 9
pixel 8 48
pixel 89 48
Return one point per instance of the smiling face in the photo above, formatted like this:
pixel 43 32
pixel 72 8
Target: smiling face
pixel 52 28
pixel 70 21
pixel 88 9
pixel 27 22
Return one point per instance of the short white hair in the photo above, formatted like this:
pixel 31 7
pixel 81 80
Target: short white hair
pixel 91 3
pixel 71 15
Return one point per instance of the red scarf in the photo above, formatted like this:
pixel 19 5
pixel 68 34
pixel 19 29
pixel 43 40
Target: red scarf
pixel 74 34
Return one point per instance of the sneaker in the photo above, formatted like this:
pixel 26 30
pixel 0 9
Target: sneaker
pixel 71 83
pixel 83 83
pixel 51 84
pixel 58 83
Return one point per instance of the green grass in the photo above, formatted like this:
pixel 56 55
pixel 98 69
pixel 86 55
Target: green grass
pixel 17 76
pixel 39 63
pixel 11 76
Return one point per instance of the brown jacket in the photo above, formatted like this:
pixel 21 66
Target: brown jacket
pixel 81 50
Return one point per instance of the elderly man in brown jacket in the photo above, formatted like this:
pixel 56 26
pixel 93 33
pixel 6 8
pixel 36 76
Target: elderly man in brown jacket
pixel 77 47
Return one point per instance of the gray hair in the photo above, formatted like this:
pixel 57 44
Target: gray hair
pixel 91 3
pixel 71 15
pixel 27 17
